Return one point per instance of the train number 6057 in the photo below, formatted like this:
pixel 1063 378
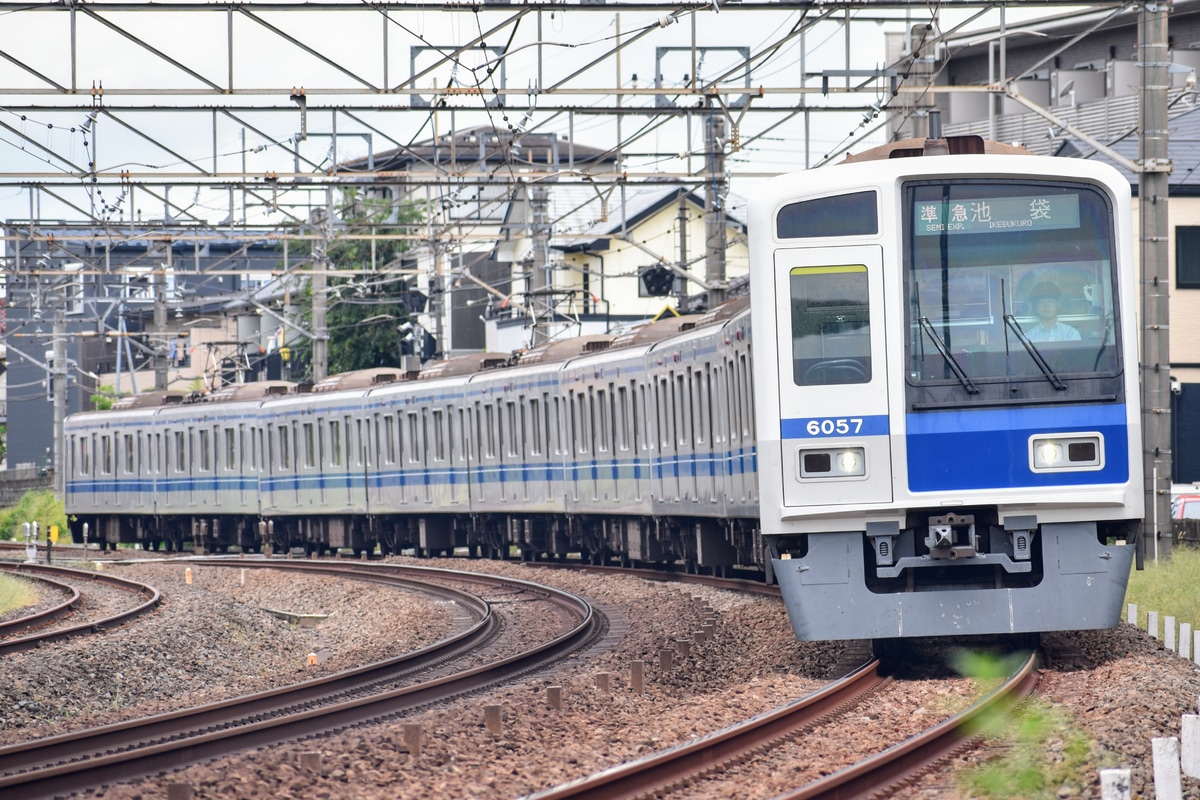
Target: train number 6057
pixel 831 427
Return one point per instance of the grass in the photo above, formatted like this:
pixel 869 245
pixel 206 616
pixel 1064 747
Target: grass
pixel 1168 587
pixel 39 506
pixel 1043 754
pixel 15 593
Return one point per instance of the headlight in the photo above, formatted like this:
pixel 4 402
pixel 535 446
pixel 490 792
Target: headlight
pixel 1066 452
pixel 838 462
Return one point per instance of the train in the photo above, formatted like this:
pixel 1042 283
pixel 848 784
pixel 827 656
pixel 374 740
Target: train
pixel 936 433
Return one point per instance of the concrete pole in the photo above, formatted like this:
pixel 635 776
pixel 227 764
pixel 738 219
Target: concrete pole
pixel 681 283
pixel 1153 59
pixel 540 284
pixel 58 378
pixel 159 342
pixel 714 208
pixel 321 266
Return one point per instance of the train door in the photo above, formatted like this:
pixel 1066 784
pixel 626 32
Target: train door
pixel 706 435
pixel 641 440
pixel 556 473
pixel 140 465
pixel 669 450
pixel 342 449
pixel 833 390
pixel 157 461
pixel 503 444
pixel 240 463
pixel 604 435
pixel 424 462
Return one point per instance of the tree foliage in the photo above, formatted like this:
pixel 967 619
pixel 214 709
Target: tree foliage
pixel 366 311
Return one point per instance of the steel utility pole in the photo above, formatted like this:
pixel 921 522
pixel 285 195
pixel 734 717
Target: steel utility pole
pixel 1153 186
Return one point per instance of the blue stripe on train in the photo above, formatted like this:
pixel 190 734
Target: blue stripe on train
pixel 989 448
pixel 737 462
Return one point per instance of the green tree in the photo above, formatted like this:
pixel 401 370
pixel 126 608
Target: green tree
pixel 366 310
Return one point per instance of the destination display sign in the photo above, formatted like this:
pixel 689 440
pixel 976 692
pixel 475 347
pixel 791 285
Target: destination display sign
pixel 997 215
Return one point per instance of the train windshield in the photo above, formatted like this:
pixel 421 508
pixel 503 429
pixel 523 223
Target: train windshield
pixel 1009 290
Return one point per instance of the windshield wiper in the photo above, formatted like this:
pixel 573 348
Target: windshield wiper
pixel 1011 322
pixel 927 326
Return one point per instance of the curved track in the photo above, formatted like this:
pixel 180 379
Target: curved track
pixel 42 572
pixel 126 750
pixel 867 778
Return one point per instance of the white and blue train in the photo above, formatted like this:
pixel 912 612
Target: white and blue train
pixel 938 434
pixel 948 429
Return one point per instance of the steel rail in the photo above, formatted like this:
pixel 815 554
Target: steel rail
pixel 44 617
pixel 663 576
pixel 892 766
pixel 667 767
pixel 152 595
pixel 189 745
pixel 75 745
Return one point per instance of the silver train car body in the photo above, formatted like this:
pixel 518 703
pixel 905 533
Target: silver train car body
pixel 900 456
pixel 930 463
pixel 638 448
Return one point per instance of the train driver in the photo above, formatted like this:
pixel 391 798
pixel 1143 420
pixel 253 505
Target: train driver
pixel 1044 300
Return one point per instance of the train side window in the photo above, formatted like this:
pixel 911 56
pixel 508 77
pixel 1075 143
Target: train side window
pixel 489 419
pixel 106 451
pixel 681 404
pixel 335 442
pixel 514 437
pixel 230 449
pixel 310 445
pixel 130 454
pixel 579 419
pixel 85 466
pixel 831 325
pixel 636 407
pixel 389 439
pixel 365 443
pixel 205 453
pixel 603 420
pixel 413 454
pixel 500 438
pixel 622 418
pixel 424 436
pixel 535 426
pixel 439 441
pixel 181 441
pixel 746 395
pixel 464 432
pixel 854 214
pixel 706 409
pixel 285 461
pixel 556 426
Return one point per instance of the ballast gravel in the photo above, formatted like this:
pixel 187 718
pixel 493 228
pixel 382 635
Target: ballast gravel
pixel 214 639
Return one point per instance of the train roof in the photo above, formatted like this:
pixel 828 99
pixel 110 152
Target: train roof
pixel 465 365
pixel 361 379
pixel 566 349
pixel 951 145
pixel 152 399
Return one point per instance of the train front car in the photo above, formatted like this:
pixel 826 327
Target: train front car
pixel 949 432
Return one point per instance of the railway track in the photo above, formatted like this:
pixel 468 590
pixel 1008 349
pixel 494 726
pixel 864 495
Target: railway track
pixel 44 618
pixel 657 774
pixel 123 751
